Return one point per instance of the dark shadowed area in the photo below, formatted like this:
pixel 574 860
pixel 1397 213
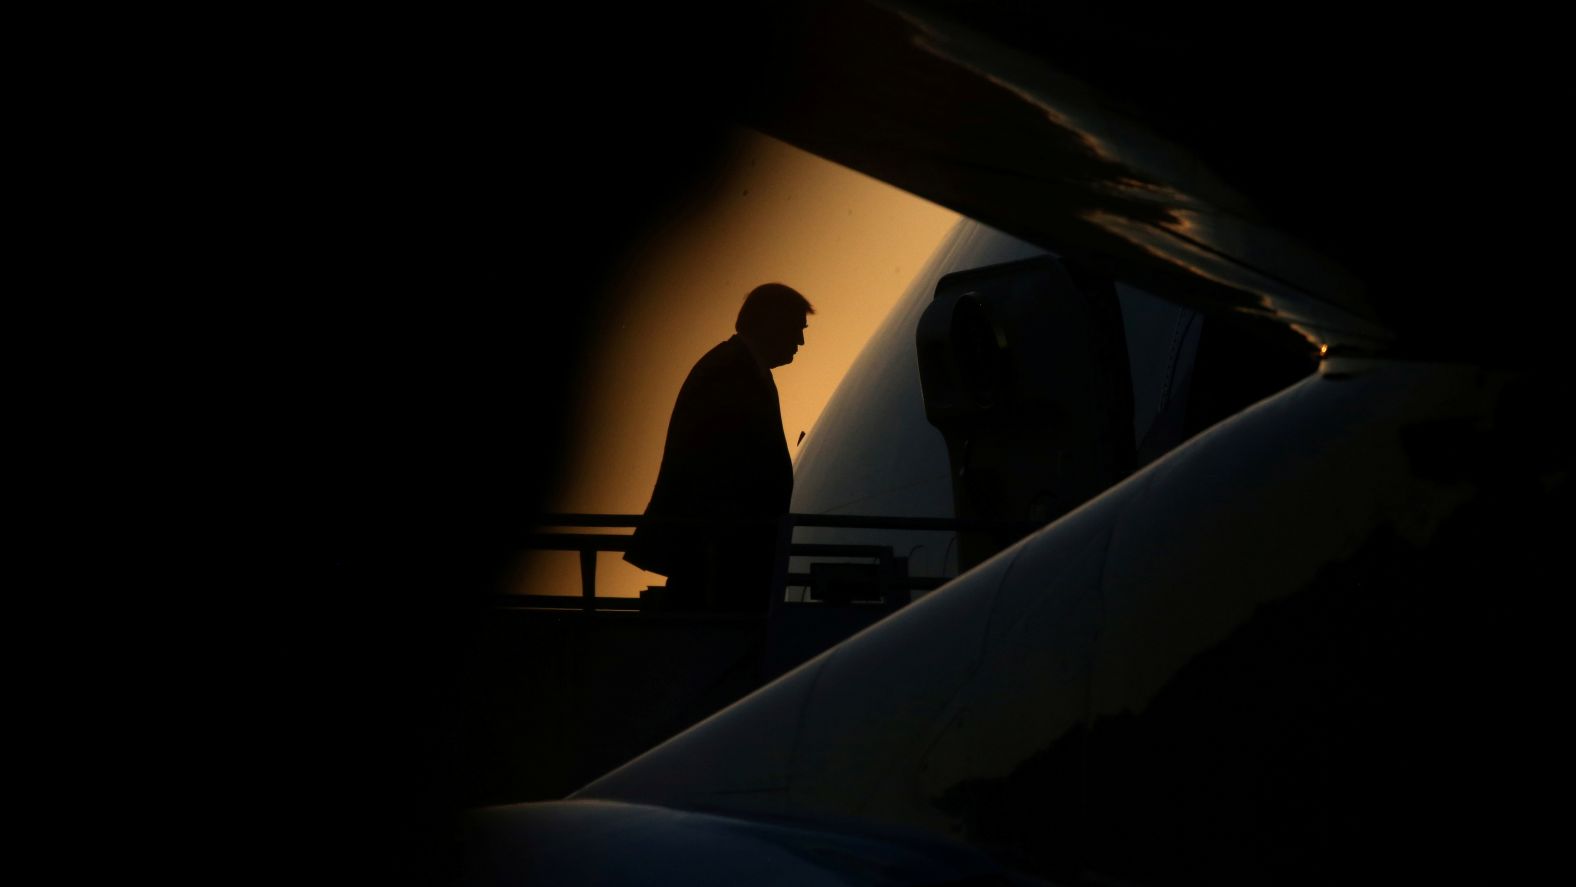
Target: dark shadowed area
pixel 403 226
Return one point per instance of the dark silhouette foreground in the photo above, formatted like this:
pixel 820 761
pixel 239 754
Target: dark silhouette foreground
pixel 726 476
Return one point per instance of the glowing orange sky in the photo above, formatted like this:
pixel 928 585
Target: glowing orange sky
pixel 851 244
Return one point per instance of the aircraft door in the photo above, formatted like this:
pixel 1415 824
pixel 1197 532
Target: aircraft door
pixel 1025 372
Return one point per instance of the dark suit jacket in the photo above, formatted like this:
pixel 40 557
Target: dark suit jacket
pixel 725 464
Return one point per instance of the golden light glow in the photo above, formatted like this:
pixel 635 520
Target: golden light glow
pixel 1324 349
pixel 851 244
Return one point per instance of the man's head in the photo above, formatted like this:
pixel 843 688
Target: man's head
pixel 773 321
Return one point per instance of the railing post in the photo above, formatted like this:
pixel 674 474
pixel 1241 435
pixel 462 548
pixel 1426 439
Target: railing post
pixel 780 565
pixel 587 579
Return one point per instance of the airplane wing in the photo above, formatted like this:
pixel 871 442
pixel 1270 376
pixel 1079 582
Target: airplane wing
pixel 1323 174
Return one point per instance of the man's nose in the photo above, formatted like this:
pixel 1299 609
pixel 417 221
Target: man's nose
pixel 800 335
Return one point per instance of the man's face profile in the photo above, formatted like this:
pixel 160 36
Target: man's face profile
pixel 772 322
pixel 785 338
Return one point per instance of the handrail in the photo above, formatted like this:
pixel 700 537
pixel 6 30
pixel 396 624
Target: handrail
pixel 798 519
pixel 588 544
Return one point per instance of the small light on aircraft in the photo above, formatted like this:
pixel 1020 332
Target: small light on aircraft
pixel 1323 350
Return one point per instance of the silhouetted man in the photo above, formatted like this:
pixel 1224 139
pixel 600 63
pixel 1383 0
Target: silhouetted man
pixel 726 476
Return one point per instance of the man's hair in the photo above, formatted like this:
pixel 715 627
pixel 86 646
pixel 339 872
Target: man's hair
pixel 770 306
